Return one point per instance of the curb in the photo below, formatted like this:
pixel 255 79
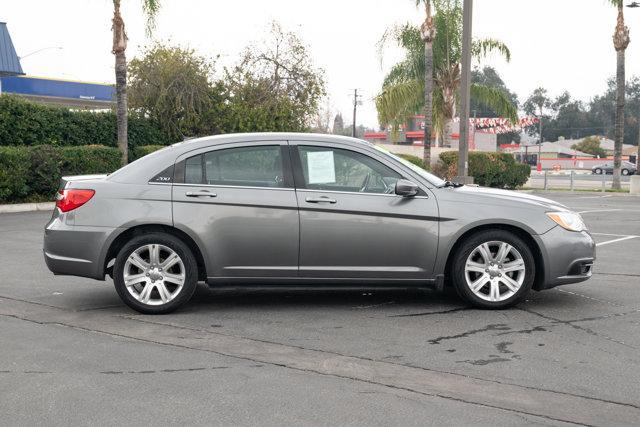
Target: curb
pixel 27 207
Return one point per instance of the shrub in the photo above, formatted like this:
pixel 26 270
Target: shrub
pixel 143 150
pixel 26 123
pixel 34 172
pixel 413 159
pixel 498 170
pixel 14 172
pixel 90 159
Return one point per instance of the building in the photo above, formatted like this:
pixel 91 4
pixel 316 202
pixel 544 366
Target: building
pixel 62 93
pixel 605 143
pixel 65 93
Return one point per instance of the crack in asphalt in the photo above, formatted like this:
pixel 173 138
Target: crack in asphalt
pixel 572 324
pixel 492 327
pixel 525 331
pixel 159 371
pixel 428 313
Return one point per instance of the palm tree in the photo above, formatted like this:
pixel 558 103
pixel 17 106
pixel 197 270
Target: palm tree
pixel 150 9
pixel 428 32
pixel 402 89
pixel 620 42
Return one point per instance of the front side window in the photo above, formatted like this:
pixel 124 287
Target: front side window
pixel 246 166
pixel 332 169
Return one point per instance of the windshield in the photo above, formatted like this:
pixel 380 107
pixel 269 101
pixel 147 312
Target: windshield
pixel 438 182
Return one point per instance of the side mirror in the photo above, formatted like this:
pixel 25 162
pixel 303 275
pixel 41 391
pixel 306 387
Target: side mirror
pixel 406 188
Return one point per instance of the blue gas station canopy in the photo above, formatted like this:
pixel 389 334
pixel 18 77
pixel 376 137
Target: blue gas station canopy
pixel 9 61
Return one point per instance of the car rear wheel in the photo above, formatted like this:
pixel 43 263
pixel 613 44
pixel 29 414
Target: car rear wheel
pixel 155 273
pixel 598 171
pixel 493 269
pixel 625 172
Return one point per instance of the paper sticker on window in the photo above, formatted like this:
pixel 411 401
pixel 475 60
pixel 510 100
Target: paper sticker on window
pixel 321 167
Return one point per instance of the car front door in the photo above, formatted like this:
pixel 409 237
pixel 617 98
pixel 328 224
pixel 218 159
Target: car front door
pixel 352 224
pixel 238 202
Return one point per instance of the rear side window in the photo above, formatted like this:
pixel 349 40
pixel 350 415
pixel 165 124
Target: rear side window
pixel 246 166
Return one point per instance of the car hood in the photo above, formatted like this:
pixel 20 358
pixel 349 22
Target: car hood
pixel 485 193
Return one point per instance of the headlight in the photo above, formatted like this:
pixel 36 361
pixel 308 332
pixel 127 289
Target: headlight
pixel 568 220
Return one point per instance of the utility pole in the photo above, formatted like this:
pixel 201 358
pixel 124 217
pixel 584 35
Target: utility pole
pixel 465 94
pixel 356 102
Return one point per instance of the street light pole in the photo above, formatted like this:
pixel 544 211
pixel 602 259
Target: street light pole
pixel 39 50
pixel 465 94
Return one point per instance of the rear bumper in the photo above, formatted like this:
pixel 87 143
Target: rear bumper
pixel 71 250
pixel 569 256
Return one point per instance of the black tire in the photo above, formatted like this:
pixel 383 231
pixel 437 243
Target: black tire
pixel 469 245
pixel 625 172
pixel 190 271
pixel 598 171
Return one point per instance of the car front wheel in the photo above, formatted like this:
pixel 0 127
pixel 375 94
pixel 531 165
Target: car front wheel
pixel 493 269
pixel 155 273
pixel 598 171
pixel 625 172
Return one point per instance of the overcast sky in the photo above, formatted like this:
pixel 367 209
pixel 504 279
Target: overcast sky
pixel 559 44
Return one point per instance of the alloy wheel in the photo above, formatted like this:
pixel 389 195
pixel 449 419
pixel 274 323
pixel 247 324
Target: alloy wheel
pixel 154 274
pixel 495 271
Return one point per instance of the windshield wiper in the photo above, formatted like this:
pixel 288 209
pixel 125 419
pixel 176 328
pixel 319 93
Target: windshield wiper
pixel 451 184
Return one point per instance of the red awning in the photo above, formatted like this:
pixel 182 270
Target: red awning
pixel 375 135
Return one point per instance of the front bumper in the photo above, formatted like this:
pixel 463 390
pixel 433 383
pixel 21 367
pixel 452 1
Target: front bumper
pixel 568 256
pixel 71 250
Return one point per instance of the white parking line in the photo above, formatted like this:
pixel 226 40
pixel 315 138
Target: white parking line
pixel 615 235
pixel 595 197
pixel 599 210
pixel 615 240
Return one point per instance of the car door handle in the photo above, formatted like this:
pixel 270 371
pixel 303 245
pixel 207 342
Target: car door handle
pixel 200 194
pixel 320 200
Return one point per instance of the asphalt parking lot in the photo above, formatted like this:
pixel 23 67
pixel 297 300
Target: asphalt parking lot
pixel 71 353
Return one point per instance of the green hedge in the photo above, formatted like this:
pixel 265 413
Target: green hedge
pixel 26 123
pixel 141 151
pixel 413 159
pixel 498 170
pixel 32 173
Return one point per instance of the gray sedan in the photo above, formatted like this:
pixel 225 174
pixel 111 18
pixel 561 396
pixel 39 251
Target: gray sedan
pixel 626 168
pixel 305 210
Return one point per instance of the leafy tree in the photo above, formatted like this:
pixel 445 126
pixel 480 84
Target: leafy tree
pixel 173 87
pixel 338 124
pixel 275 86
pixel 489 77
pixel 150 9
pixel 590 145
pixel 402 89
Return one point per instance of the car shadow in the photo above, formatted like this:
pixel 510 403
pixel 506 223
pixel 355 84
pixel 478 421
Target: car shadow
pixel 207 297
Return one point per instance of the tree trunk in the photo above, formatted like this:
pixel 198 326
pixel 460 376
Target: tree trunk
pixel 121 107
pixel 428 102
pixel 620 43
pixel 119 48
pixel 428 34
pixel 447 131
pixel 619 126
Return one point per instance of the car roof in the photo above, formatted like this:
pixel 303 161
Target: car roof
pixel 155 162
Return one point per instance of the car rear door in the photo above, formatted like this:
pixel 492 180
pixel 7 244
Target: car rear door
pixel 352 224
pixel 238 202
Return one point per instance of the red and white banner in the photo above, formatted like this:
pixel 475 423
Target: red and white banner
pixel 498 125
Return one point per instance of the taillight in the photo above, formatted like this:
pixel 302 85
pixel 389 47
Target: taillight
pixel 68 200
